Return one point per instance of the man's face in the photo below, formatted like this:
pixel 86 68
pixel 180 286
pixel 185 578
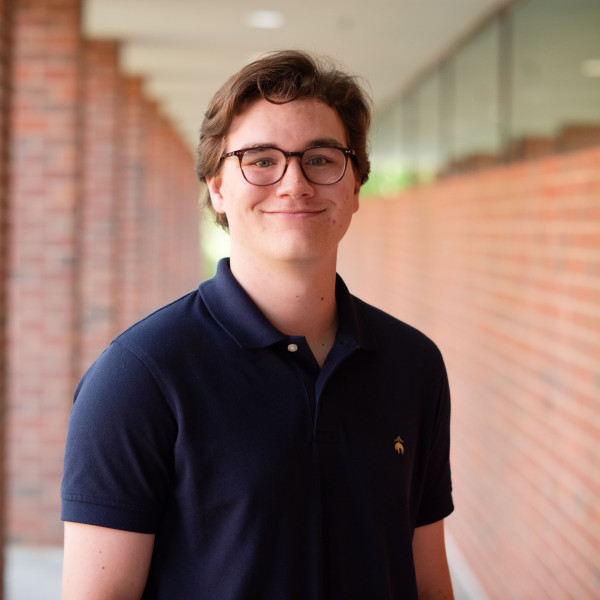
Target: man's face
pixel 293 219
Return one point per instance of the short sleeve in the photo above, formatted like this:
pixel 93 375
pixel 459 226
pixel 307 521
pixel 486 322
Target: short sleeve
pixel 119 449
pixel 436 499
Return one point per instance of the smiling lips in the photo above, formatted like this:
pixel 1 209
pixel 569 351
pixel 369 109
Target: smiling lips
pixel 295 212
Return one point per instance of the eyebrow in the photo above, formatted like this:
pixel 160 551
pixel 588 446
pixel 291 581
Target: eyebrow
pixel 311 144
pixel 326 142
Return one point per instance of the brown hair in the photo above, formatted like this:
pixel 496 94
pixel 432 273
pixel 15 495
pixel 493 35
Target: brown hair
pixel 282 77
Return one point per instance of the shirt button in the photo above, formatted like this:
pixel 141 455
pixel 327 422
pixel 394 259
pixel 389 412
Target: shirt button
pixel 293 347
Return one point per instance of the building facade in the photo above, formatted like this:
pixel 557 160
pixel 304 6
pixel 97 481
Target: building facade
pixel 483 230
pixel 99 216
pixel 480 226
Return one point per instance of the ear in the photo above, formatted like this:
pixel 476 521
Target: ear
pixel 214 189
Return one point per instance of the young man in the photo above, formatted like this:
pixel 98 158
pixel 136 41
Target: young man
pixel 268 435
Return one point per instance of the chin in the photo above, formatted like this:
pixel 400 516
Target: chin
pixel 302 254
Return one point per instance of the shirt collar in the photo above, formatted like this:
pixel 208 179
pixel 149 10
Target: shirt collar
pixel 237 314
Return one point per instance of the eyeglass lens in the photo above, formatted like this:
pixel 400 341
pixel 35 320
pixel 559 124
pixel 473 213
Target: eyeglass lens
pixel 265 166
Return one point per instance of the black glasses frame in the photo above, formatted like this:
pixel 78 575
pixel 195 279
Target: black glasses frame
pixel 348 152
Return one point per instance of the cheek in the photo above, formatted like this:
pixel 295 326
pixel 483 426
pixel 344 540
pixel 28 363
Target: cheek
pixel 352 200
pixel 355 196
pixel 238 198
pixel 343 217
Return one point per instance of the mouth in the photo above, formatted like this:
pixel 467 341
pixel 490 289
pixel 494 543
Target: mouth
pixel 295 212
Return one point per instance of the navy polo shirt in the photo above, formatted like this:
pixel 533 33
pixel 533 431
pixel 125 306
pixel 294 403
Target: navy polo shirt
pixel 261 474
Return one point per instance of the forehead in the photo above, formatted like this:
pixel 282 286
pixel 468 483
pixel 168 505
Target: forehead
pixel 289 126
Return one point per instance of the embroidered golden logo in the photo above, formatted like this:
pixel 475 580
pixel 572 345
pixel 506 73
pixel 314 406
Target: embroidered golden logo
pixel 399 445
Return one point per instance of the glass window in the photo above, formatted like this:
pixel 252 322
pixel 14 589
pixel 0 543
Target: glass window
pixel 556 75
pixel 427 148
pixel 474 126
pixel 410 132
pixel 526 84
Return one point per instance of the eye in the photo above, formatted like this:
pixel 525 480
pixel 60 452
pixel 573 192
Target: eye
pixel 323 158
pixel 262 162
pixel 262 158
pixel 317 161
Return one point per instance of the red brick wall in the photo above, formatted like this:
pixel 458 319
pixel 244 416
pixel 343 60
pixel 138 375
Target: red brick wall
pixel 139 220
pixel 98 292
pixel 158 210
pixel 5 79
pixel 502 269
pixel 103 229
pixel 45 195
pixel 133 189
pixel 170 235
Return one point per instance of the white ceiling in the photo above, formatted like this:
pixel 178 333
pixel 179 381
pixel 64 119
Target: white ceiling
pixel 185 49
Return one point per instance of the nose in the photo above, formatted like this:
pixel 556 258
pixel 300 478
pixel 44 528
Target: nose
pixel 294 182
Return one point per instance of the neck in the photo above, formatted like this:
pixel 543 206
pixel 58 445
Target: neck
pixel 297 298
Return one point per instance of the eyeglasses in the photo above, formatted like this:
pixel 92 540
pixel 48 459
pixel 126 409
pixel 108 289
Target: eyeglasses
pixel 323 165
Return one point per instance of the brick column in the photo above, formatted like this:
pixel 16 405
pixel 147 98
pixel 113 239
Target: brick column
pixel 45 189
pixel 156 177
pixel 98 260
pixel 132 180
pixel 5 77
pixel 171 216
pixel 155 202
pixel 174 260
pixel 167 213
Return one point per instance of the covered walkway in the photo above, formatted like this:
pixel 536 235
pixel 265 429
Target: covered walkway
pixel 495 255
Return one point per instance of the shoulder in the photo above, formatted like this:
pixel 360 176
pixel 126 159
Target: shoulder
pixel 165 320
pixel 391 334
pixel 182 326
pixel 140 354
